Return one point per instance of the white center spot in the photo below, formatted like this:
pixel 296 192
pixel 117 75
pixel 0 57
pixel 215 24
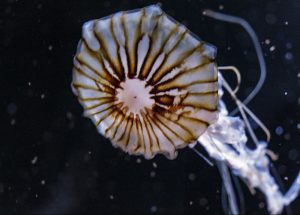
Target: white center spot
pixel 135 95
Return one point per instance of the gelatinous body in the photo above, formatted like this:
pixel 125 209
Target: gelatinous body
pixel 151 87
pixel 147 83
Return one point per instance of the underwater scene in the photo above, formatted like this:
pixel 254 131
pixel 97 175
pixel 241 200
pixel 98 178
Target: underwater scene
pixel 150 107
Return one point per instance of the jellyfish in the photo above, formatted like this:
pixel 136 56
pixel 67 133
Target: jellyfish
pixel 152 87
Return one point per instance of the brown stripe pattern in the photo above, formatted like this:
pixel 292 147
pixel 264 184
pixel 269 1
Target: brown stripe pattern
pixel 147 83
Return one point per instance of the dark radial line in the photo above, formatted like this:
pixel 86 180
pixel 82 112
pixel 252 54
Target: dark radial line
pixel 142 131
pixel 157 54
pixel 118 50
pixel 86 87
pixel 126 124
pixel 181 87
pixel 145 71
pixel 161 130
pixel 200 107
pixel 123 117
pixel 164 99
pixel 168 128
pixel 203 81
pixel 103 110
pixel 137 38
pixel 183 56
pixel 78 70
pixel 147 131
pixel 116 117
pixel 204 93
pixel 185 71
pixel 167 55
pixel 126 43
pixel 146 116
pixel 180 60
pixel 81 62
pixel 129 130
pixel 140 76
pixel 177 123
pixel 195 119
pixel 82 86
pixel 108 90
pixel 192 104
pixel 96 98
pixel 159 110
pixel 105 115
pixel 172 81
pixel 111 78
pixel 98 105
pixel 105 54
pixel 140 139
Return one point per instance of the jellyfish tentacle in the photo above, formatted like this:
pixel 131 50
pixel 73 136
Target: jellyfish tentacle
pixel 225 141
pixel 257 120
pixel 236 72
pixel 240 193
pixel 223 169
pixel 201 155
pixel 258 50
pixel 241 108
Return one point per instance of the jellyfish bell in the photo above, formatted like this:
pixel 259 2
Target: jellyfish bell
pixel 152 87
pixel 148 84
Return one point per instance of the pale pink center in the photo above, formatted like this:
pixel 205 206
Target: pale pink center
pixel 135 95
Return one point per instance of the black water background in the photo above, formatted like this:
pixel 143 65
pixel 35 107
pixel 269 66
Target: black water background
pixel 53 160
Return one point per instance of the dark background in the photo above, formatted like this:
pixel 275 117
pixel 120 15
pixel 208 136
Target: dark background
pixel 52 160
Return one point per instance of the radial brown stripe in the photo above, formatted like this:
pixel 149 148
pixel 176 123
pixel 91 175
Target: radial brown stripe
pixel 163 112
pixel 96 99
pixel 204 93
pixel 156 143
pixel 141 140
pixel 81 62
pixel 177 123
pixel 150 81
pixel 126 121
pixel 171 83
pixel 104 53
pixel 116 117
pixel 158 75
pixel 200 121
pixel 99 104
pixel 163 106
pixel 202 105
pixel 126 43
pixel 161 130
pixel 150 61
pixel 137 37
pixel 119 62
pixel 147 61
pixel 111 78
pixel 111 107
pixel 109 111
pixel 165 99
pixel 117 126
pixel 107 87
pixel 167 127
pixel 78 85
pixel 129 129
pixel 143 121
pixel 150 132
